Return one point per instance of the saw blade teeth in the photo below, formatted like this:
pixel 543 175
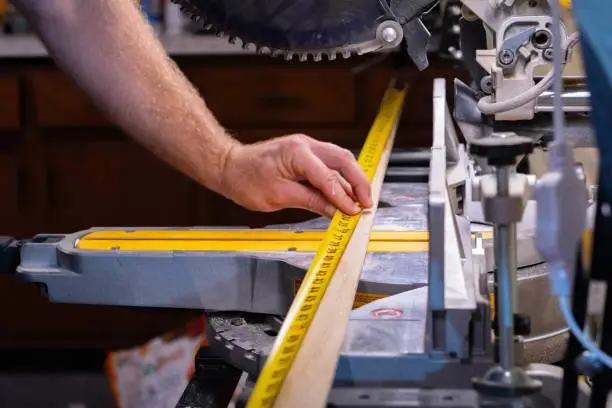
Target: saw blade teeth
pixel 264 51
pixel 212 26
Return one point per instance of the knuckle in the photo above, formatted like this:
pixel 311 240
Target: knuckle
pixel 332 177
pixel 293 147
pixel 297 141
pixel 348 155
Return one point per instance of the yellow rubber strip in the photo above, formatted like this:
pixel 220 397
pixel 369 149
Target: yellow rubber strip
pixel 239 246
pixel 242 235
pixel 242 240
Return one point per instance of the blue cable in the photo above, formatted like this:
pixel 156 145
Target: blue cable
pixel 566 310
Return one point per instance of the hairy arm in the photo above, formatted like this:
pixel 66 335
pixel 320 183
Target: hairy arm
pixel 112 53
pixel 110 50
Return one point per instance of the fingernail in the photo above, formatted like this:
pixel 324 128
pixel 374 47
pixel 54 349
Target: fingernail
pixel 356 209
pixel 330 210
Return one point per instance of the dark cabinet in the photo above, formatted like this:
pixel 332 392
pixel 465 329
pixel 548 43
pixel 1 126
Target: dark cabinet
pixel 113 183
pixel 262 95
pixel 10 115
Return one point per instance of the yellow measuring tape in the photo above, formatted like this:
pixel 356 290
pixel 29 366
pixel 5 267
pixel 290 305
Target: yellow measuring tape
pixel 331 249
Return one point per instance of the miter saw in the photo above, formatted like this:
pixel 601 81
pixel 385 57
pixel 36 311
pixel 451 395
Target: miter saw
pixel 420 333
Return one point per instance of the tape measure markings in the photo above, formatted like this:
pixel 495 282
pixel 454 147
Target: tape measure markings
pixel 310 294
pixel 361 298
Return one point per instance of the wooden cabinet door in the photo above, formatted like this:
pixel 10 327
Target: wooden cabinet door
pixel 12 192
pixel 113 183
pixel 10 115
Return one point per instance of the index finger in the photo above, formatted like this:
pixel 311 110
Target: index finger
pixel 344 161
pixel 325 180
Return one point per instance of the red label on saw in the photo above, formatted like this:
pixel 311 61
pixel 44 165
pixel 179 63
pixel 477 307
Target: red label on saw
pixel 387 313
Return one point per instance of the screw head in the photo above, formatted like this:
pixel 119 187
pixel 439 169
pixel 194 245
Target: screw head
pixel 486 84
pixel 548 54
pixel 389 35
pixel 506 57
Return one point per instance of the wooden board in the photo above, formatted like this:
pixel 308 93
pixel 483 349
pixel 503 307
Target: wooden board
pixel 312 373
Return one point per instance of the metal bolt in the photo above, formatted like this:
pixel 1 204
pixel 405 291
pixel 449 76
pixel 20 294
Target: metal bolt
pixel 579 169
pixel 486 84
pixel 389 35
pixel 506 57
pixel 455 53
pixel 548 54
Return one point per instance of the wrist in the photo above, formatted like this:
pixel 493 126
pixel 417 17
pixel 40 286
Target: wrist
pixel 214 168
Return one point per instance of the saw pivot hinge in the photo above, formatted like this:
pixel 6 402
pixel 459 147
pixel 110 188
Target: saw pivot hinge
pixel 407 27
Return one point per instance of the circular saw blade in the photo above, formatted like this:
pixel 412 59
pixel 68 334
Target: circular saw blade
pixel 293 27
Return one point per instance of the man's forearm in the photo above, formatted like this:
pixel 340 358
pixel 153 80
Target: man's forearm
pixel 112 53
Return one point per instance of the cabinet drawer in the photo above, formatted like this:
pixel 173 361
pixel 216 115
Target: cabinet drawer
pixel 9 103
pixel 272 95
pixel 60 103
pixel 113 183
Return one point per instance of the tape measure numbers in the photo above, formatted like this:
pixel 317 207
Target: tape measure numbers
pixel 361 298
pixel 316 281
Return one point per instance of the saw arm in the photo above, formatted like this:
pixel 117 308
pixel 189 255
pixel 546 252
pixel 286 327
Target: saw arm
pixel 317 28
pixel 505 44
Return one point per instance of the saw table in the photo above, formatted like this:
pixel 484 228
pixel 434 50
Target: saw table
pixel 244 274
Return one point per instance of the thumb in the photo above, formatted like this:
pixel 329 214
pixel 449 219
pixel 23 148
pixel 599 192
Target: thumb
pixel 300 196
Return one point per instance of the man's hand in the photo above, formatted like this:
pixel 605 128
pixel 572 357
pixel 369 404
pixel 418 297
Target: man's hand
pixel 112 53
pixel 271 175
